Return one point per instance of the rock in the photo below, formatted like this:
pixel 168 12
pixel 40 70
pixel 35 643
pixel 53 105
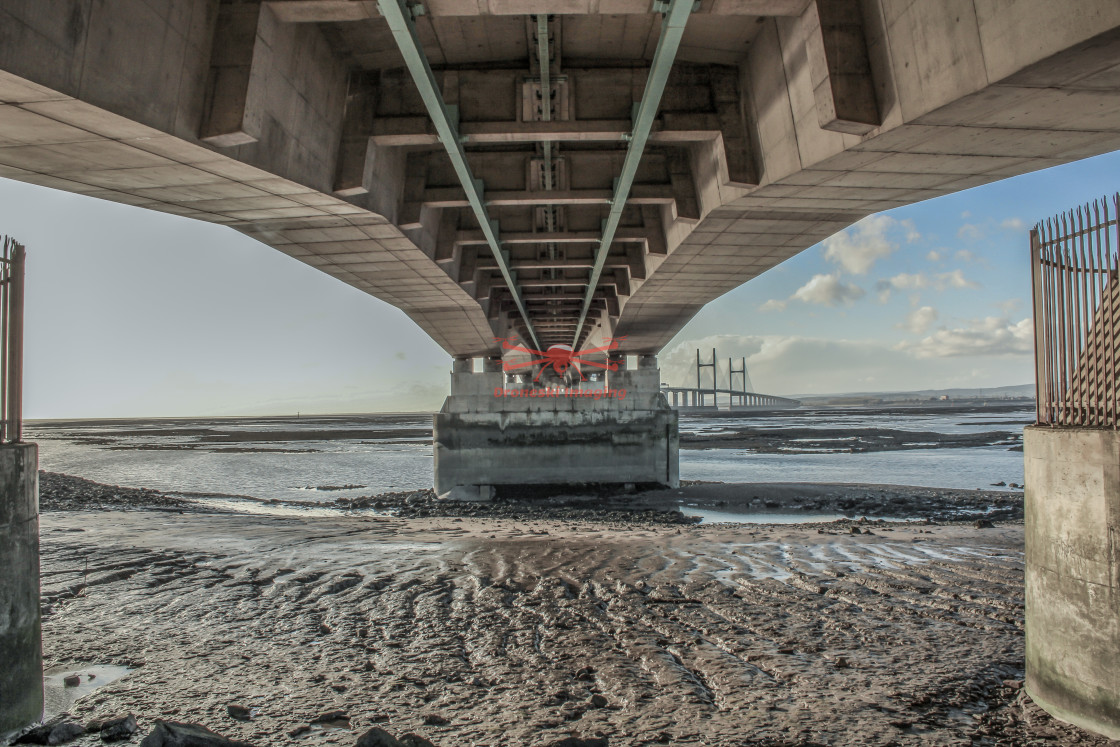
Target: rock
pixel 983 524
pixel 119 729
pixel 174 734
pixel 299 731
pixel 434 719
pixel 598 701
pixel 1013 684
pixel 72 681
pixel 238 712
pixel 842 663
pixel 377 737
pixel 587 673
pixel 65 732
pixel 579 742
pixel 999 484
pixel 38 735
pixel 785 651
pixel 329 716
pixel 415 740
pixel 854 530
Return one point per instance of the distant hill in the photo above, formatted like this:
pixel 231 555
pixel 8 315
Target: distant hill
pixel 998 392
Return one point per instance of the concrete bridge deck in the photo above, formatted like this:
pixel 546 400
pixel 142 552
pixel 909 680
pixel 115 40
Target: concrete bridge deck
pixel 782 121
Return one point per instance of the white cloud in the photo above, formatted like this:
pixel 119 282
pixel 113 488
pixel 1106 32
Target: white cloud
pixel 902 281
pixel 963 255
pixel 988 336
pixel 970 231
pixel 934 256
pixel 908 281
pixel 773 305
pixel 1010 306
pixel 828 290
pixel 920 320
pixel 955 279
pixel 1013 224
pixel 857 248
pixel 912 234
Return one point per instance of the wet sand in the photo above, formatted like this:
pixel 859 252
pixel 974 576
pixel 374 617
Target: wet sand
pixel 524 631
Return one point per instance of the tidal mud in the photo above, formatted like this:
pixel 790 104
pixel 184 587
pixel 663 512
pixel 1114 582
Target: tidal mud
pixel 492 631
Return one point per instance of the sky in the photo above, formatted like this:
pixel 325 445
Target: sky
pixel 132 313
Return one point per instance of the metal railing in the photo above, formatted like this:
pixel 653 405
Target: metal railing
pixel 1077 315
pixel 12 255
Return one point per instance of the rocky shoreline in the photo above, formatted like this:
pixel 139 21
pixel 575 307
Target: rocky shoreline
pixel 608 505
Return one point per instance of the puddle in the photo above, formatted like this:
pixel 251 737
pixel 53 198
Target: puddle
pixel 710 516
pixel 58 697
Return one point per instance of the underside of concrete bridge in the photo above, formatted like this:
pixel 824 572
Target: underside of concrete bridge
pixel 554 172
pixel 306 124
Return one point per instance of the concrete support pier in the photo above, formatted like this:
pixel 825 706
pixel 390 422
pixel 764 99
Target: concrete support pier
pixel 21 655
pixel 1073 574
pixel 491 433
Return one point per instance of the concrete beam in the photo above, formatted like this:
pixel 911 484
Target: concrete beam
pixel 228 117
pixel 839 67
pixel 332 11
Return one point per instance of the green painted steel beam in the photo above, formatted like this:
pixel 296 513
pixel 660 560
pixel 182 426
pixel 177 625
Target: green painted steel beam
pixel 672 29
pixel 399 17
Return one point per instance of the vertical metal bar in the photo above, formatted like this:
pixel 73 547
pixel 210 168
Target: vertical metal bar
pixel 1059 316
pixel 1047 316
pixel 5 266
pixel 1039 341
pixel 672 30
pixel 1067 290
pixel 1113 278
pixel 1080 310
pixel 1099 321
pixel 15 341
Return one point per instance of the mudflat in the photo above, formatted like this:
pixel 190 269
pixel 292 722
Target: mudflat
pixel 526 631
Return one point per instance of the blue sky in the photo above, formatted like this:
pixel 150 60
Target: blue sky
pixel 932 295
pixel 135 313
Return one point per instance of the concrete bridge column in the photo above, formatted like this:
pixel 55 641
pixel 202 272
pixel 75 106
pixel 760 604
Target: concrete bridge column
pixel 21 655
pixel 1072 522
pixel 486 435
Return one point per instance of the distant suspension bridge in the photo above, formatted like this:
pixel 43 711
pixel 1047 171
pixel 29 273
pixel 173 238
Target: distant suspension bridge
pixel 701 399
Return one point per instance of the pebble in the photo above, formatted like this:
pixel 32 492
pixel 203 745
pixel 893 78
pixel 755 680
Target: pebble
pixel 238 712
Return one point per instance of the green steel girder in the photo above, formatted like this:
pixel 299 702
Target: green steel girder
pixel 672 29
pixel 400 19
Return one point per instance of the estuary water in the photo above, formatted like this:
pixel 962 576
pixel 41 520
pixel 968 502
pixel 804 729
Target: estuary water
pixel 322 458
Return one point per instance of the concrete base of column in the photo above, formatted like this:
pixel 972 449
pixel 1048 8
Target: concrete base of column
pixel 484 438
pixel 21 652
pixel 1073 575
